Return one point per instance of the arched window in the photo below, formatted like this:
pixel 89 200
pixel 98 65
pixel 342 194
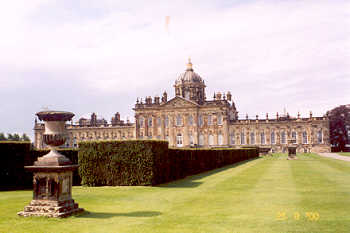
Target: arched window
pixel 166 121
pixel 220 139
pixel 283 137
pixel 190 120
pixel 150 121
pixel 273 139
pixel 179 140
pixel 232 138
pixel 178 120
pixel 200 120
pixel 211 140
pixel 187 94
pixel 219 119
pixel 201 140
pixel 294 137
pixel 304 137
pixel 252 138
pixel 320 136
pixel 262 138
pixel 242 138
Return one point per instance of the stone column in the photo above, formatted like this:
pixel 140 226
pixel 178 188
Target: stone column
pixel 195 133
pixel 155 127
pixel 186 142
pixel 225 130
pixel 172 136
pixel 162 127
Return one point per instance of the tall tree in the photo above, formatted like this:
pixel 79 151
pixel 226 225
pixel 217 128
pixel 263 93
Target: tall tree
pixel 16 137
pixel 339 120
pixel 25 137
pixel 10 137
pixel 2 137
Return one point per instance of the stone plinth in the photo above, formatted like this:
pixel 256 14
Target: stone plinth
pixel 53 173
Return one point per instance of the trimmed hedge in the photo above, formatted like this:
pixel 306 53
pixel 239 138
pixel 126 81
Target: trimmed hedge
pixel 16 155
pixel 149 162
pixel 119 162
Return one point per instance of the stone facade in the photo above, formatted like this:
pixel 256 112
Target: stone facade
pixel 190 120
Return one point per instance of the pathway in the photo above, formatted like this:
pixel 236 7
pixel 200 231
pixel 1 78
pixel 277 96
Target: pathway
pixel 335 156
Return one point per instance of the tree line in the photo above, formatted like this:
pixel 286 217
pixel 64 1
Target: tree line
pixel 14 137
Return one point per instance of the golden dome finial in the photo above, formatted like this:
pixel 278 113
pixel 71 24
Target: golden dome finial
pixel 189 64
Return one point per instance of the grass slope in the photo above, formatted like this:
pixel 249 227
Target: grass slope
pixel 344 153
pixel 271 194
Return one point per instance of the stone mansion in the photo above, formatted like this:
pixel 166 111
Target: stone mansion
pixel 190 120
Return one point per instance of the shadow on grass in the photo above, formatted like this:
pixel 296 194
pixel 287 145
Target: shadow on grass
pixel 88 214
pixel 190 181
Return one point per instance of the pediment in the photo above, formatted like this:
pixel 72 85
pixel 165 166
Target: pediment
pixel 180 102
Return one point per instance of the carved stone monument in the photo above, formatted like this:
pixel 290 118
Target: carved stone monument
pixel 53 172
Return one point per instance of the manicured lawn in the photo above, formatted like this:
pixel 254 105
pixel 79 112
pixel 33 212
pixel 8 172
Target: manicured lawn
pixel 344 153
pixel 270 194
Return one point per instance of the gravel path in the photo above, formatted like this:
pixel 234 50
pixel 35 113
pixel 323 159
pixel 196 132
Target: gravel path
pixel 335 156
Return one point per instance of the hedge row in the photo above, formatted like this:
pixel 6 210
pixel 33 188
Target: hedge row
pixel 16 155
pixel 119 162
pixel 179 163
pixel 149 162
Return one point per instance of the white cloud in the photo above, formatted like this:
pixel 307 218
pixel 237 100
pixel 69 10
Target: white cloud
pixel 269 54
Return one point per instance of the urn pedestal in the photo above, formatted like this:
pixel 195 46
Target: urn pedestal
pixel 53 173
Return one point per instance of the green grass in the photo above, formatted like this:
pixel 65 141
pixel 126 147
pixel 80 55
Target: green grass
pixel 269 194
pixel 344 153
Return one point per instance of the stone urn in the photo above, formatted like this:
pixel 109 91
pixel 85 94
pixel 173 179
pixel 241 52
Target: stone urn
pixel 292 149
pixel 53 172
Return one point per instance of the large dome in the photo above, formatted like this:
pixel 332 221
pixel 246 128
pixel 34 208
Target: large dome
pixel 189 76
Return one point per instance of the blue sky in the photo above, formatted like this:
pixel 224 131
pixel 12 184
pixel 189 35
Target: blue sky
pixel 99 56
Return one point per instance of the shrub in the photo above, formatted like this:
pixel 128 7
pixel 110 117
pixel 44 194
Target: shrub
pixel 16 155
pixel 149 162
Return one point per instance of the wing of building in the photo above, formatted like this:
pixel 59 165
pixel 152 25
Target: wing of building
pixel 190 120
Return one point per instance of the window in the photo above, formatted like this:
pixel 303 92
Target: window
pixel 150 121
pixel 242 138
pixel 219 119
pixel 283 137
pixel 159 122
pixel 294 137
pixel 191 139
pixel 211 140
pixel 201 140
pixel 167 138
pixel 178 120
pixel 179 140
pixel 304 137
pixel 190 120
pixel 200 120
pixel 220 139
pixel 273 140
pixel 166 121
pixel 319 137
pixel 232 138
pixel 252 138
pixel 187 95
pixel 262 138
pixel 210 122
pixel 141 121
pixel 75 142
